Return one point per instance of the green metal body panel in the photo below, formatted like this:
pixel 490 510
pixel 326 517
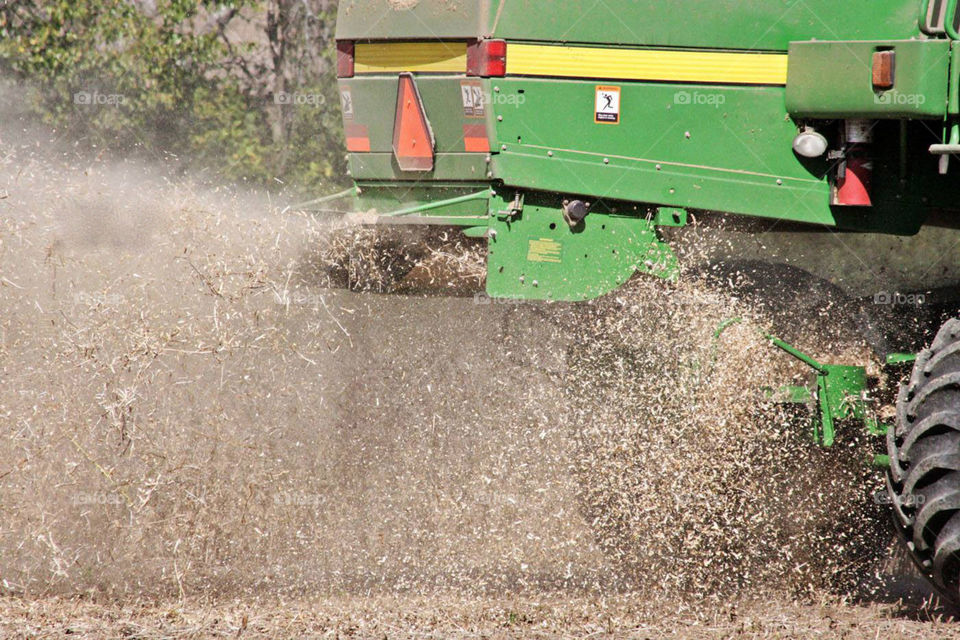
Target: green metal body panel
pixel 834 80
pixel 714 147
pixel 374 104
pixel 542 259
pixel 953 101
pixel 840 393
pixel 730 153
pixel 744 24
pixel 422 19
pixel 730 157
pixel 449 166
pixel 722 146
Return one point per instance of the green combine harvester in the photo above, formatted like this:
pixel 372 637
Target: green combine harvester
pixel 577 137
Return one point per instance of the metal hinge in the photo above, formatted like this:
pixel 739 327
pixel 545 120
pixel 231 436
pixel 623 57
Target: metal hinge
pixel 515 209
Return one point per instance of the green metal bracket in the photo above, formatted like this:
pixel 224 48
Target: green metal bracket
pixel 953 105
pixel 514 209
pixel 950 147
pixel 839 392
pixel 901 358
pixel 439 204
pixel 670 217
pixel 949 23
pixel 840 395
pixel 534 254
pixel 881 461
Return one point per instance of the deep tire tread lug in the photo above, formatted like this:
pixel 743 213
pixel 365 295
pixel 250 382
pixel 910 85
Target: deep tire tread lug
pixel 924 448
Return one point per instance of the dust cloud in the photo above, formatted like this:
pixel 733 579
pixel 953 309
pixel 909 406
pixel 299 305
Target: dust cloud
pixel 193 406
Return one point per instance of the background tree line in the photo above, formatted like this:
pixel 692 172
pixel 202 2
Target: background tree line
pixel 247 87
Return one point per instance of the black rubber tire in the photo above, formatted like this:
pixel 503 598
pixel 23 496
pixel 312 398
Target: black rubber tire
pixel 924 477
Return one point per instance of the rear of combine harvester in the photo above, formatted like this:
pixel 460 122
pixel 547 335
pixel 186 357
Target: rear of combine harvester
pixel 566 132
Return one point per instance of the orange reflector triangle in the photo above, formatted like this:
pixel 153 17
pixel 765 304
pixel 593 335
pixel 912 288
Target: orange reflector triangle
pixel 412 138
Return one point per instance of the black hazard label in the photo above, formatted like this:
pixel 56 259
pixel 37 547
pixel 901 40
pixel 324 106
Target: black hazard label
pixel 607 105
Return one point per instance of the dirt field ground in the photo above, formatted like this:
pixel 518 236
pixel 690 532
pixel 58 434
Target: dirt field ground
pixel 547 616
pixel 199 437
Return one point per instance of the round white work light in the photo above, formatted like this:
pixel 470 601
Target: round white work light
pixel 810 144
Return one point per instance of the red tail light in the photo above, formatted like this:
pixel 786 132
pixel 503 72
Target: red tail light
pixel 345 59
pixel 487 58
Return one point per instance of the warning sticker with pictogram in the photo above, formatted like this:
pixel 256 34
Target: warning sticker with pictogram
pixel 608 105
pixel 346 104
pixel 473 101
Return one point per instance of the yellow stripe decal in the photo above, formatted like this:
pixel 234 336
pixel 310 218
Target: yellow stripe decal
pixel 708 67
pixel 395 57
pixel 646 64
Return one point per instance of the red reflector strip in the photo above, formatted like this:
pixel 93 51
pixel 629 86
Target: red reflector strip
pixel 412 138
pixel 475 138
pixel 345 59
pixel 487 58
pixel 358 138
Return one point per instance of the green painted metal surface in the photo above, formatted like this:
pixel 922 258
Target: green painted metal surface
pixel 839 394
pixel 675 146
pixel 743 24
pixel 670 217
pixel 374 100
pixel 730 151
pixel 901 358
pixel 834 80
pixel 952 23
pixel 535 255
pixel 954 100
pixel 447 167
pixel 423 19
pixel 453 203
pixel 840 391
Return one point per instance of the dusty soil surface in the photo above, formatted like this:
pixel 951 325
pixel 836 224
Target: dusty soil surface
pixel 203 434
pixel 545 616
